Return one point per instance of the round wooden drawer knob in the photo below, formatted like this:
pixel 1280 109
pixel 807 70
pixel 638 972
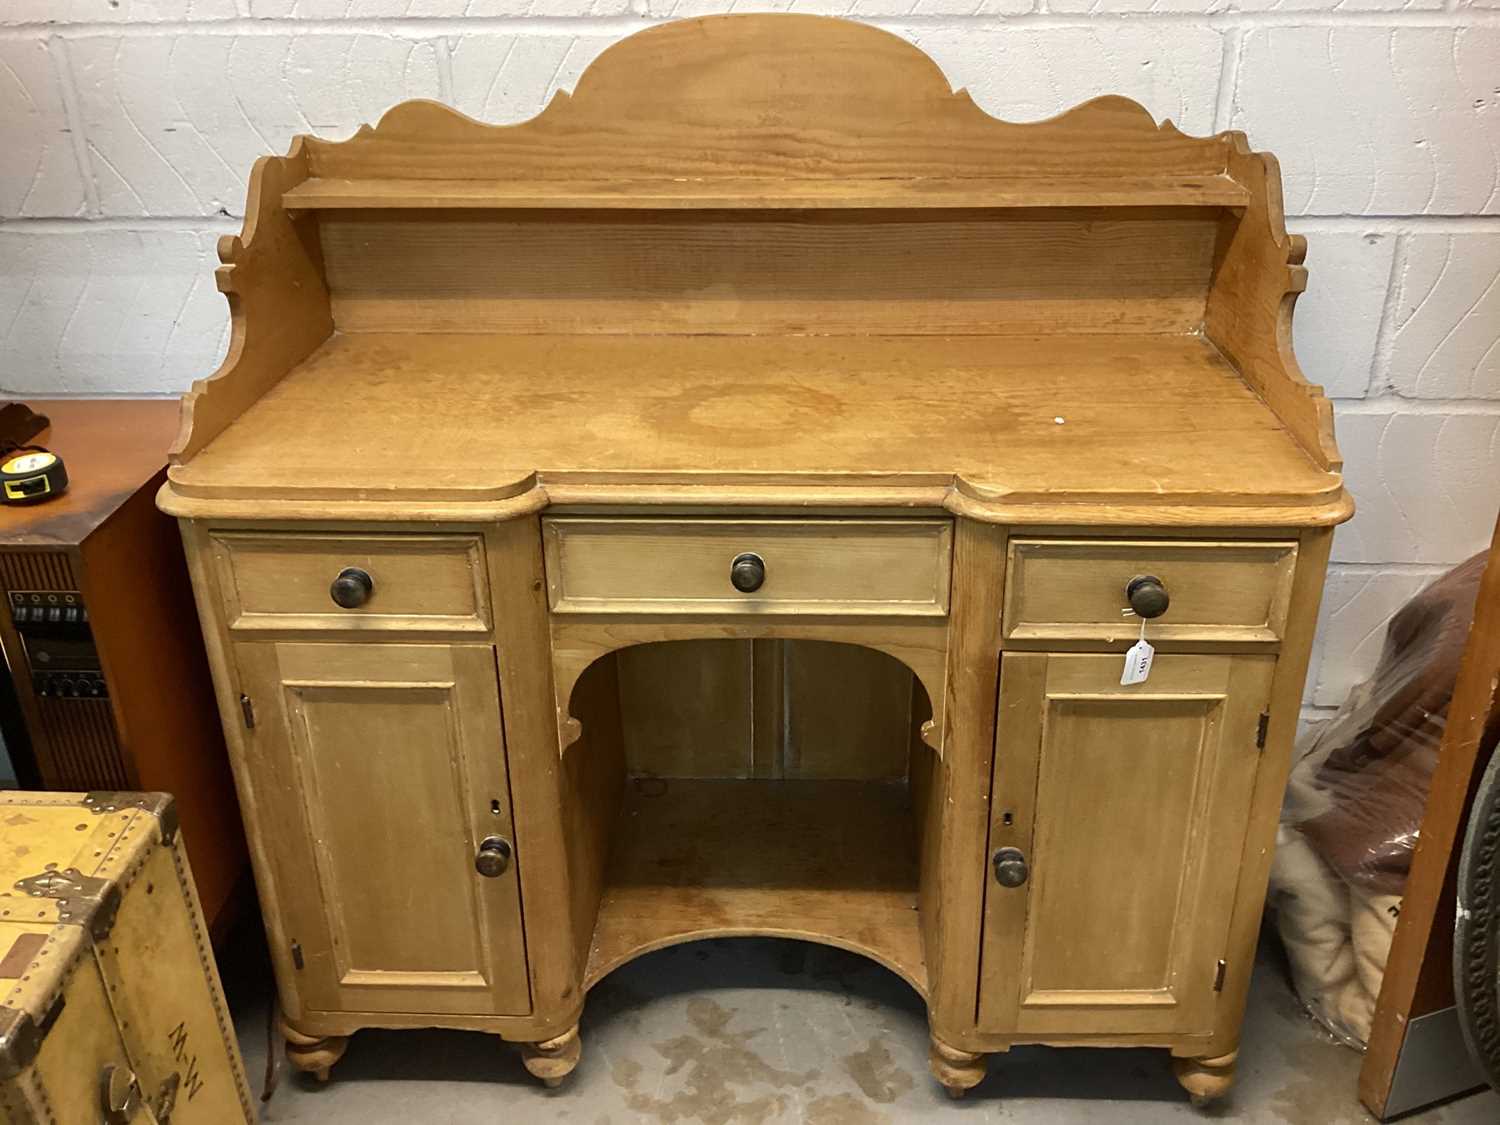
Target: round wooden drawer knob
pixel 747 572
pixel 1147 595
pixel 352 588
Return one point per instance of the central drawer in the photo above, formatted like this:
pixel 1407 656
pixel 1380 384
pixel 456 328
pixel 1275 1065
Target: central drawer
pixel 695 566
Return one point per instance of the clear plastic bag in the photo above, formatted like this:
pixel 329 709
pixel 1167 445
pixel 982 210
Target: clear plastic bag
pixel 1354 807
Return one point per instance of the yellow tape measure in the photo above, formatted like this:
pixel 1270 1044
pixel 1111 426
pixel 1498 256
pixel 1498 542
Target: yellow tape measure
pixel 31 475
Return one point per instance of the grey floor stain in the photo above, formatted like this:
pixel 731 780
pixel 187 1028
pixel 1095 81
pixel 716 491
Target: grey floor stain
pixel 1314 1094
pixel 761 1032
pixel 842 1109
pixel 719 1065
pixel 876 1073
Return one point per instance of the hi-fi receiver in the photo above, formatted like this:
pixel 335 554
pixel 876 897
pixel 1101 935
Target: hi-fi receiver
pixel 54 629
pixel 109 686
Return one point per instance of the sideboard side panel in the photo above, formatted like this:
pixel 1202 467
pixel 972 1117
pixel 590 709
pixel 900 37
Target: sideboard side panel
pixel 523 647
pixel 1270 786
pixel 952 879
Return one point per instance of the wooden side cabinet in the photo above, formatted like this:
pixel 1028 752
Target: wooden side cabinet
pixel 395 762
pixel 1124 926
pixel 722 506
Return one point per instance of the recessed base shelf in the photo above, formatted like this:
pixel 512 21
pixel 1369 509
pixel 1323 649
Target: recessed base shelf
pixel 826 861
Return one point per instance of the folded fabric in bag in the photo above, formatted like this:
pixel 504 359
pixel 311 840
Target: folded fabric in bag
pixel 1354 807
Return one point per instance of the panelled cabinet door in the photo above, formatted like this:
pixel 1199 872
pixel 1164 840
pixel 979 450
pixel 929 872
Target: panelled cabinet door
pixel 379 771
pixel 1130 807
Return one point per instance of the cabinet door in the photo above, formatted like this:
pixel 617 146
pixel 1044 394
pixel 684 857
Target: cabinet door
pixel 1130 805
pixel 380 769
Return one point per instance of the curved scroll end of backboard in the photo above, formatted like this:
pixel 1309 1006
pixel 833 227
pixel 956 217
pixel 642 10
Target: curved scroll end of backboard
pixel 272 277
pixel 1251 306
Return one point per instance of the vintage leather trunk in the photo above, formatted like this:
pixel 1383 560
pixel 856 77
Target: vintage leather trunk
pixel 110 1005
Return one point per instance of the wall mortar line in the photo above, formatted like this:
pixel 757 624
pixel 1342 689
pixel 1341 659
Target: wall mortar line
pixel 625 23
pixel 58 50
pixel 1385 333
pixel 1229 76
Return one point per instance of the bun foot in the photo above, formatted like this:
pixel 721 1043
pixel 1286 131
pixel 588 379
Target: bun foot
pixel 1206 1080
pixel 313 1054
pixel 958 1071
pixel 552 1060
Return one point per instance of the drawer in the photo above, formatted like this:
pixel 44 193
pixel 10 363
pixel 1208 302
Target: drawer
pixel 417 582
pixel 682 566
pixel 1074 589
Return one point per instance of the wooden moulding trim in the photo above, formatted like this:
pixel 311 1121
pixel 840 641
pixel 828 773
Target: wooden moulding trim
pixel 1320 511
pixel 932 676
pixel 916 976
pixel 318 1024
pixel 703 194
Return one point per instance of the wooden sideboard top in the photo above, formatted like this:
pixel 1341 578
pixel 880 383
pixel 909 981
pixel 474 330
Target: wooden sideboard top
pixel 764 260
pixel 111 449
pixel 1015 418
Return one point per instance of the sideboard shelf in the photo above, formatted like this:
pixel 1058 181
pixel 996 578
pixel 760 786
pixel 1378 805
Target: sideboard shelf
pixel 322 194
pixel 833 861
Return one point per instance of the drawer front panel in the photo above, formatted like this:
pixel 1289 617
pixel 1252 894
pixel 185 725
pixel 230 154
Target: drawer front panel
pixel 682 566
pixel 1074 589
pixel 422 583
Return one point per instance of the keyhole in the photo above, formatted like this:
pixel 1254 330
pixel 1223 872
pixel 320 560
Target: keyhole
pixel 1008 819
pixel 494 808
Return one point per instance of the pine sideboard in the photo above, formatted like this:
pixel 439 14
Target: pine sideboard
pixel 721 506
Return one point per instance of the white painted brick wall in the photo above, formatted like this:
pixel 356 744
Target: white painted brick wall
pixel 127 128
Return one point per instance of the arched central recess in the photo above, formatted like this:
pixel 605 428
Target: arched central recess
pixel 737 787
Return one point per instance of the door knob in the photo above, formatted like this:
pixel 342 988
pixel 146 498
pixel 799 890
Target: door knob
pixel 352 588
pixel 1147 595
pixel 1010 867
pixel 747 572
pixel 493 856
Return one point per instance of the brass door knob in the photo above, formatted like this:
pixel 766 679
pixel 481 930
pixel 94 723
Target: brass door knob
pixel 1147 595
pixel 747 572
pixel 1010 867
pixel 352 588
pixel 493 856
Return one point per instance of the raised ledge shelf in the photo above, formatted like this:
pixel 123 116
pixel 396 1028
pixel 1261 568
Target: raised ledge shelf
pixel 326 194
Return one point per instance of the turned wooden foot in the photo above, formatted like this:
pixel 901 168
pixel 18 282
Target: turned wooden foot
pixel 552 1060
pixel 958 1071
pixel 312 1054
pixel 1206 1080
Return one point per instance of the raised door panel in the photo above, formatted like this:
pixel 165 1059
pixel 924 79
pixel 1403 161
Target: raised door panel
pixel 1131 805
pixel 387 766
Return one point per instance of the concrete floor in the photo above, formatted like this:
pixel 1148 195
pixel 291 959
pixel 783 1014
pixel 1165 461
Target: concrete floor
pixel 754 1032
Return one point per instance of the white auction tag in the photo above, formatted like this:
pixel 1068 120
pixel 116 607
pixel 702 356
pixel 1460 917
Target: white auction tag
pixel 1138 660
pixel 1137 663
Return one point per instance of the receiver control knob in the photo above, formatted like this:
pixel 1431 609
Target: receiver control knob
pixel 1147 595
pixel 747 572
pixel 352 588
